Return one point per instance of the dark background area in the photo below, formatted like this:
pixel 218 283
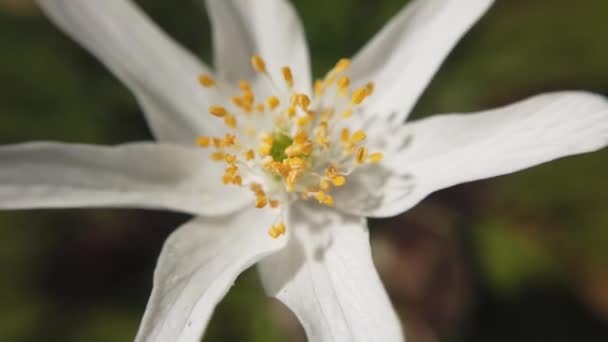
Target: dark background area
pixel 516 258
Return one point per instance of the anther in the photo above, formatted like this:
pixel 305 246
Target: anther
pixel 218 111
pixel 342 65
pixel 287 76
pixel 375 157
pixel 273 102
pixel 361 154
pixel 358 136
pixel 203 141
pixel 359 95
pixel 206 81
pixel 258 64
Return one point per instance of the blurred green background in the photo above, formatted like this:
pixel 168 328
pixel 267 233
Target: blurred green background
pixel 517 258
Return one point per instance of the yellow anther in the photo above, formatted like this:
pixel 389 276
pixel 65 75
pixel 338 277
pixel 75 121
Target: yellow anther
pixel 238 101
pixel 370 88
pixel 237 180
pixel 338 181
pixel 318 87
pixel 328 201
pixel 342 65
pixel 274 203
pixel 261 200
pixel 260 107
pixel 218 111
pixel 230 158
pixel 258 64
pixel 347 114
pixel 226 179
pixel 345 135
pixel 303 101
pixel 305 120
pixel 206 81
pixel 331 171
pixel 359 95
pixel 299 149
pixel 287 76
pixel 292 179
pixel 273 102
pixel 229 140
pixel 375 157
pixel 277 230
pixel 343 84
pixel 248 98
pixel 230 121
pixel 324 185
pixel 203 141
pixel 217 142
pixel 231 170
pixel 217 156
pixel 264 149
pixel 295 163
pixel 244 85
pixel 256 187
pixel 291 111
pixel 361 154
pixel 249 155
pixel 300 137
pixel 358 136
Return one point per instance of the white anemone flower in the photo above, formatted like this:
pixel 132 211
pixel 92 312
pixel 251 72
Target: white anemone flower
pixel 297 165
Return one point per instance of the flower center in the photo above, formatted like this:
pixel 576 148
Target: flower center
pixel 289 145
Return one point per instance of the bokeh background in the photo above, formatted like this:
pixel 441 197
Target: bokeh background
pixel 516 258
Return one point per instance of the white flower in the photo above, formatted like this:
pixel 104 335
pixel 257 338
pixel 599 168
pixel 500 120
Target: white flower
pixel 314 257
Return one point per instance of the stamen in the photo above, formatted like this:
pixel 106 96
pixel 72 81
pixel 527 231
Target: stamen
pixel 218 111
pixel 300 156
pixel 287 76
pixel 206 81
pixel 258 64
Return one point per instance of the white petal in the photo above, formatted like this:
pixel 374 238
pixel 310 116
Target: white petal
pixel 446 150
pixel 161 74
pixel 270 28
pixel 197 266
pixel 403 57
pixel 54 175
pixel 326 276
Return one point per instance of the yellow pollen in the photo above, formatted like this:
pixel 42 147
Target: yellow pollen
pixel 359 95
pixel 249 155
pixel 244 85
pixel 361 154
pixel 318 88
pixel 342 65
pixel 287 76
pixel 261 200
pixel 358 136
pixel 291 111
pixel 347 114
pixel 218 111
pixel 303 101
pixel 230 158
pixel 277 230
pixel 260 107
pixel 338 180
pixel 206 81
pixel 217 156
pixel 273 102
pixel 274 204
pixel 258 64
pixel 203 141
pixel 375 157
pixel 324 185
pixel 345 135
pixel 230 121
pixel 370 88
